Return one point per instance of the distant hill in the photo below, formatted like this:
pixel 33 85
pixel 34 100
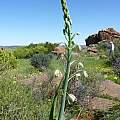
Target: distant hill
pixel 17 46
pixel 83 46
pixel 10 47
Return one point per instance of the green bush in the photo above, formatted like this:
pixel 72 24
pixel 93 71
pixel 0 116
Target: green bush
pixel 41 61
pixel 21 52
pixel 116 65
pixel 28 52
pixel 32 49
pixel 7 60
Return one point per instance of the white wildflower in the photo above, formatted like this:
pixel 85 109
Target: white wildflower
pixel 72 98
pixel 58 73
pixel 85 73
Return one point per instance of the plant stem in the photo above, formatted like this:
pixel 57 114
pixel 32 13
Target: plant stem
pixel 69 37
pixel 65 85
pixel 68 34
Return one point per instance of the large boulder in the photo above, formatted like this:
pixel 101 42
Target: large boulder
pixel 104 35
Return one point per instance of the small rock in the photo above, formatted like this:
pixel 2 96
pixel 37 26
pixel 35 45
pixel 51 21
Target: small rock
pixel 101 104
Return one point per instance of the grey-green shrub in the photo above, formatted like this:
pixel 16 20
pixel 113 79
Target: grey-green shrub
pixel 41 61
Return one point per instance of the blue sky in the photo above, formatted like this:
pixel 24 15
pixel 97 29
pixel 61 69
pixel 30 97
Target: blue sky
pixel 33 21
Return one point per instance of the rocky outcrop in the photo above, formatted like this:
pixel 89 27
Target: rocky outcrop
pixel 104 35
pixel 92 51
pixel 59 50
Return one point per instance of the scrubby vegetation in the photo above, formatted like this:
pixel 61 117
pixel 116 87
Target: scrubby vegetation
pixel 35 84
pixel 41 61
pixel 27 92
pixel 32 49
pixel 7 60
pixel 17 102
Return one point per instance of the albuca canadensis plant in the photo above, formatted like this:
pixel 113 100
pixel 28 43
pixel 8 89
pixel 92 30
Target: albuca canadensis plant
pixel 62 88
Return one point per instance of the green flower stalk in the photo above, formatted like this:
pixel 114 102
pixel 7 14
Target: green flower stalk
pixel 67 31
pixel 70 43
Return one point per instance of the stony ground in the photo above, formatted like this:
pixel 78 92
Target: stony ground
pixel 110 92
pixel 110 88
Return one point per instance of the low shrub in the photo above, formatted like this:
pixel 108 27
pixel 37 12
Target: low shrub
pixel 116 65
pixel 41 61
pixel 7 60
pixel 17 103
pixel 20 53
